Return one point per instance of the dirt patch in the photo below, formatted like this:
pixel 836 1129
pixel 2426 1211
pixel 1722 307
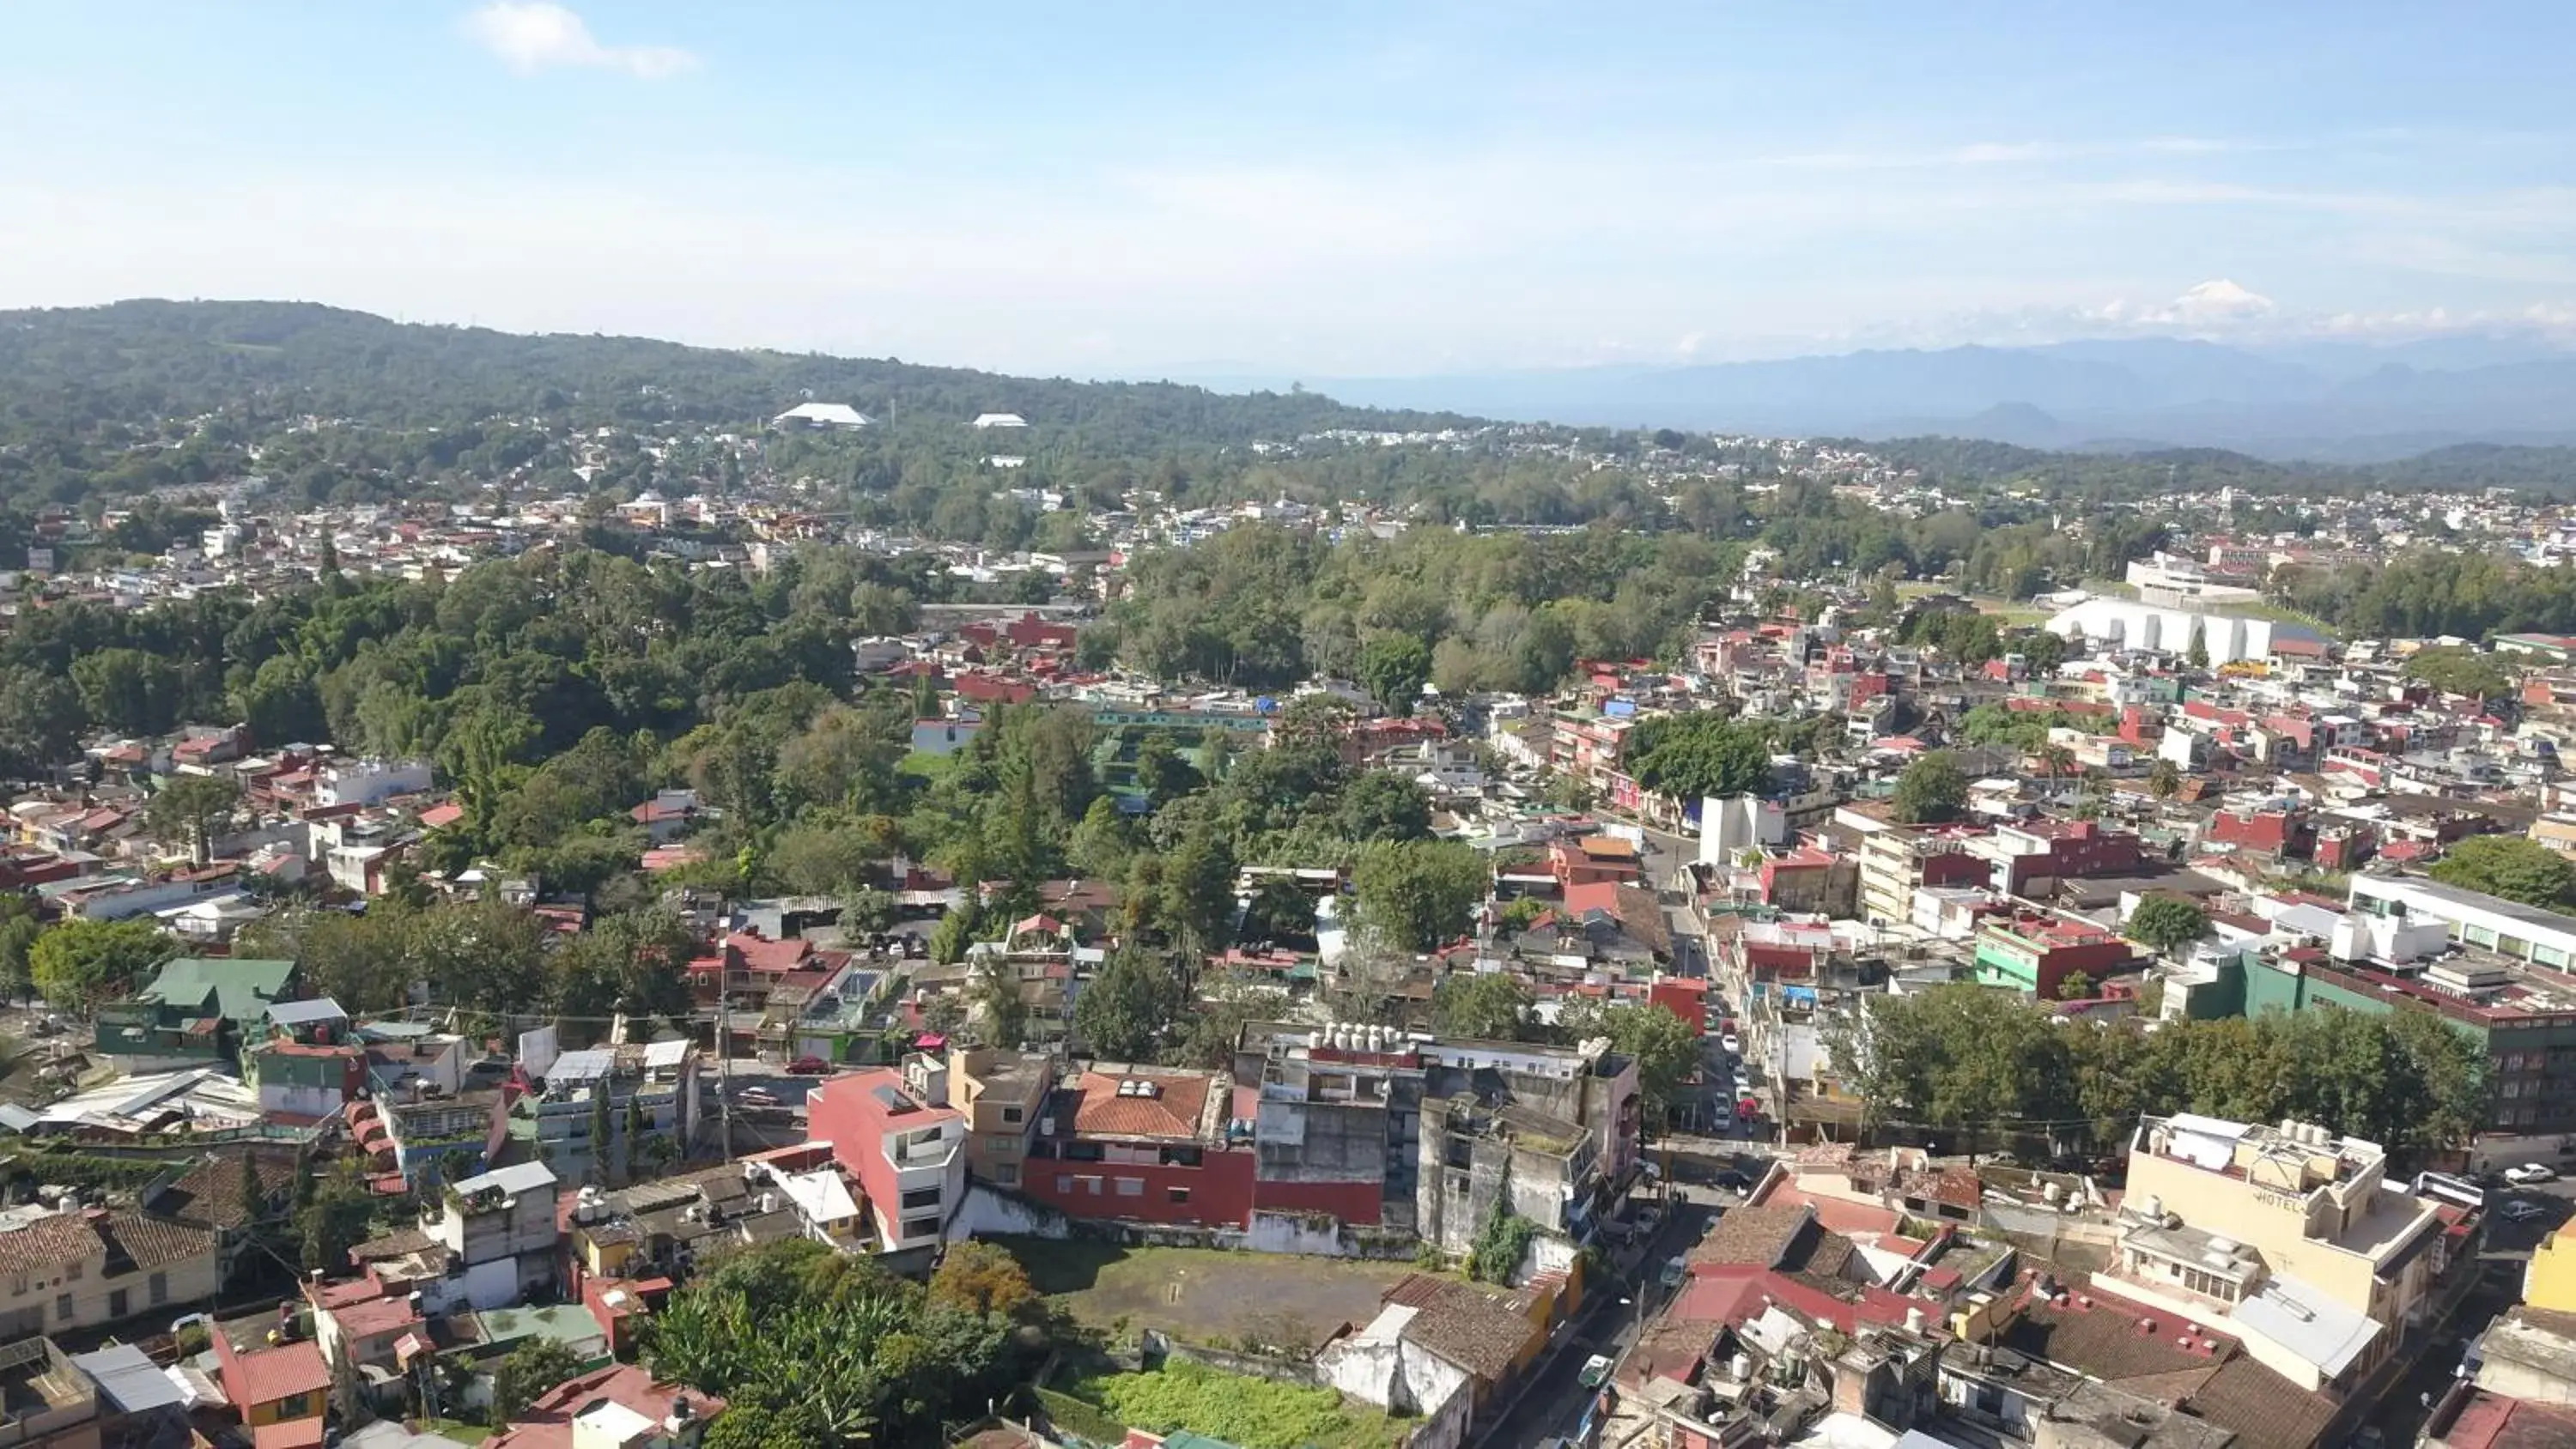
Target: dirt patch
pixel 1202 1295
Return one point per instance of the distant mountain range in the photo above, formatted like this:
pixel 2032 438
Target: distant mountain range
pixel 2324 401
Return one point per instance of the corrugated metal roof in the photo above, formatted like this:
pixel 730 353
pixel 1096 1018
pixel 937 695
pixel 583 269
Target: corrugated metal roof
pixel 129 1379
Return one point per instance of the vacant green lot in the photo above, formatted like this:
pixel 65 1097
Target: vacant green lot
pixel 1201 1295
pixel 1253 1413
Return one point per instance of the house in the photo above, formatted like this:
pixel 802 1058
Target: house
pixel 1004 1096
pixel 890 1130
pixel 209 1196
pixel 90 1267
pixel 1149 1144
pixel 195 1013
pixel 499 1231
pixel 1439 1349
pixel 269 1374
pixel 619 1407
pixel 656 1084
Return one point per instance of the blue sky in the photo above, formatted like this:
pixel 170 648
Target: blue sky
pixel 1328 189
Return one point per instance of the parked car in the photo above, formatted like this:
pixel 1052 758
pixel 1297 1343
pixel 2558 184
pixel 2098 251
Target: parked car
pixel 1675 1270
pixel 2523 1212
pixel 1731 1043
pixel 1596 1371
pixel 757 1097
pixel 1722 1118
pixel 809 1067
pixel 2529 1172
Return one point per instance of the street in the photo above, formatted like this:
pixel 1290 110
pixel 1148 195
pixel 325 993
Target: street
pixel 1554 1398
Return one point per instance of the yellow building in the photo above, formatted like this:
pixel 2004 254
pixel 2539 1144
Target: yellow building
pixel 2293 1237
pixel 2550 1282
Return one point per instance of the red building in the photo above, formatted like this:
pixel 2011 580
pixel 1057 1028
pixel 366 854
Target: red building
pixel 2282 834
pixel 1145 1144
pixel 1684 998
pixel 1594 859
pixel 896 1134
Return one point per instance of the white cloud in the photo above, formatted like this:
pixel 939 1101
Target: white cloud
pixel 2217 302
pixel 535 35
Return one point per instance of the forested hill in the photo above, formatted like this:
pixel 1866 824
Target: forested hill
pixel 130 363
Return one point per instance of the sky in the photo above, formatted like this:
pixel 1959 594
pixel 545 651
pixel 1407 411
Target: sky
pixel 1326 189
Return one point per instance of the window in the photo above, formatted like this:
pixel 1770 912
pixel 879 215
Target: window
pixel 72 1273
pixel 160 1289
pixel 1012 1114
pixel 1007 1173
pixel 1176 1194
pixel 293 1406
pixel 921 1197
pixel 116 1303
pixel 1090 1185
pixel 17 1282
pixel 921 1227
pixel 62 1308
pixel 1064 1185
pixel 1131 1187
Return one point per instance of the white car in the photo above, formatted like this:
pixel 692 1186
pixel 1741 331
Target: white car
pixel 2529 1172
pixel 1731 1043
pixel 1723 1118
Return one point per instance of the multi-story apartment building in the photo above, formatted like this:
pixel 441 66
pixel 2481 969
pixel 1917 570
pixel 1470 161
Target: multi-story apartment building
pixel 2287 1238
pixel 1896 860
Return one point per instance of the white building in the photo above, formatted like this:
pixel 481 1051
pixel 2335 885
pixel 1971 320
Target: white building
pixel 840 417
pixel 2121 624
pixel 1000 420
pixel 369 782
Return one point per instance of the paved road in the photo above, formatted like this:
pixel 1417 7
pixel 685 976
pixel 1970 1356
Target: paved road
pixel 1555 1398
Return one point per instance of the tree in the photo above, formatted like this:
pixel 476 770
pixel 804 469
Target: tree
pixel 41 719
pixel 333 1219
pixel 2075 986
pixel 1702 755
pixel 2166 924
pixel 2513 867
pixel 187 810
pixel 1419 893
pixel 1666 1050
pixel 984 1278
pixel 1492 1005
pixel 18 935
pixel 2164 779
pixel 2197 656
pixel 1393 668
pixel 1122 1012
pixel 1932 789
pixel 2460 671
pixel 868 910
pixel 525 1373
pixel 1380 806
pixel 998 1011
pixel 82 963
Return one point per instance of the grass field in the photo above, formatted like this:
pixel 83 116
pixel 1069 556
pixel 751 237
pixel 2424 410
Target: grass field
pixel 1202 1295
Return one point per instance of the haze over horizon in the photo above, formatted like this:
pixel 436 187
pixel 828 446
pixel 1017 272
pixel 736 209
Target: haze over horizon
pixel 1327 192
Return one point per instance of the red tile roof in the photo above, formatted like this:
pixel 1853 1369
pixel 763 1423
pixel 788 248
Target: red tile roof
pixel 271 1374
pixel 1173 1113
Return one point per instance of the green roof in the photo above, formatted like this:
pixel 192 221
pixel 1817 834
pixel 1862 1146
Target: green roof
pixel 236 989
pixel 565 1323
